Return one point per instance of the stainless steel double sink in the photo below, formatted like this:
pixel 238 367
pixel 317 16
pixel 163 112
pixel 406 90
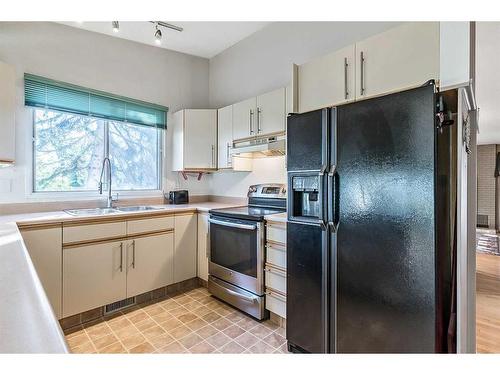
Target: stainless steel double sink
pixel 108 211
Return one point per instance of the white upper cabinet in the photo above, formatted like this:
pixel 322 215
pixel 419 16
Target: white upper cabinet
pixel 7 113
pixel 327 80
pixel 403 57
pixel 194 140
pixel 224 136
pixel 454 54
pixel 244 119
pixel 271 108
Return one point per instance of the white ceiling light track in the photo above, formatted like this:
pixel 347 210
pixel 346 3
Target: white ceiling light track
pixel 157 24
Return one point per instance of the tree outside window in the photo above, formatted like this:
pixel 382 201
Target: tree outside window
pixel 69 150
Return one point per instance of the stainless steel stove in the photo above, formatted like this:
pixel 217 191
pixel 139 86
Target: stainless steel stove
pixel 237 240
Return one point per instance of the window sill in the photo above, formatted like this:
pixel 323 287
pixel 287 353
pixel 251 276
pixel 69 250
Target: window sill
pixel 90 196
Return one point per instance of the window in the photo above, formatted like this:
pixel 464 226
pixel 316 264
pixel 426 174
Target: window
pixel 75 128
pixel 68 151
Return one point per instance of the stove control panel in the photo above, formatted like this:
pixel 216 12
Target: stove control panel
pixel 267 191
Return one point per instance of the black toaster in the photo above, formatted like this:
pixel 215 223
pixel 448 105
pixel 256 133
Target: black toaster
pixel 178 197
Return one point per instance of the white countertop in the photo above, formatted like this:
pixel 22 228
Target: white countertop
pixel 281 217
pixel 27 322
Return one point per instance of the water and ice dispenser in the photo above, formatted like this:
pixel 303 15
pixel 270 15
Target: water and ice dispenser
pixel 305 197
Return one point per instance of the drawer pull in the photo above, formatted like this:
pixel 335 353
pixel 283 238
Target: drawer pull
pixel 276 295
pixel 279 248
pixel 276 271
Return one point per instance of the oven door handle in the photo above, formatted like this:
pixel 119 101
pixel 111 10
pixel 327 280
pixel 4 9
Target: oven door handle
pixel 233 225
pixel 236 294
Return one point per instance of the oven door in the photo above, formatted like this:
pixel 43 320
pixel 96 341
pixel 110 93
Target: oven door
pixel 236 252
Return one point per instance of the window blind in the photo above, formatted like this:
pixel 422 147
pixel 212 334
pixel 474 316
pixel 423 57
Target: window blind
pixel 47 93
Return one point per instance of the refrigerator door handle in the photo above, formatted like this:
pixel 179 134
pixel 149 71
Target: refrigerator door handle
pixel 333 199
pixel 324 142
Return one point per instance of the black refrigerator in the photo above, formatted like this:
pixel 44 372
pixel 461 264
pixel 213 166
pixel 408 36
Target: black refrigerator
pixel 369 239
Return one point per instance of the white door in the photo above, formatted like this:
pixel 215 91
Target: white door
pixel 271 108
pixel 93 276
pixel 403 57
pixel 185 251
pixel 244 119
pixel 225 136
pixel 328 80
pixel 200 139
pixel 203 246
pixel 150 263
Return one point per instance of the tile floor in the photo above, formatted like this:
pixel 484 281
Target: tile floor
pixel 191 322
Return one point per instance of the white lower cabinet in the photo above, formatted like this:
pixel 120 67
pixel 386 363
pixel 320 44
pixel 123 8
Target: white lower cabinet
pixel 93 275
pixel 203 245
pixel 275 269
pixel 45 249
pixel 275 278
pixel 149 263
pixel 151 253
pixel 185 251
pixel 276 302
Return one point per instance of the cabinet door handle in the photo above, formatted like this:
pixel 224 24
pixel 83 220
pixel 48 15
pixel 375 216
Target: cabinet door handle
pixel 362 60
pixel 346 91
pixel 259 111
pixel 251 121
pixel 229 160
pixel 207 251
pixel 212 164
pixel 133 254
pixel 121 256
pixel 275 271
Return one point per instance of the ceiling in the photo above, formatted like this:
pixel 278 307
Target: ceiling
pixel 204 39
pixel 488 81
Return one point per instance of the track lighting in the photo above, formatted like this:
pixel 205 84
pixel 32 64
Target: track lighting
pixel 158 35
pixel 116 26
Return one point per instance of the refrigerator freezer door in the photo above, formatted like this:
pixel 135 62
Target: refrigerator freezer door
pixel 386 291
pixel 307 285
pixel 307 148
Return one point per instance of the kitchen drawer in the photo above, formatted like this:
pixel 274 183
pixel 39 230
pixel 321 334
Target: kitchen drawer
pixel 276 233
pixel 150 225
pixel 276 255
pixel 275 278
pixel 276 302
pixel 91 232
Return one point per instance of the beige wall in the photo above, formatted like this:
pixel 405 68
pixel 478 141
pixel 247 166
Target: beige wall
pixel 486 182
pixel 99 62
pixel 263 62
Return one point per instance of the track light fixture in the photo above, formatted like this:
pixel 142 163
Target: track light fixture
pixel 116 26
pixel 158 35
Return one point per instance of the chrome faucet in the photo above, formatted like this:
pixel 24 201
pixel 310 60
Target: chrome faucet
pixel 110 197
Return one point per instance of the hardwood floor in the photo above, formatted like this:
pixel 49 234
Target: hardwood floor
pixel 487 303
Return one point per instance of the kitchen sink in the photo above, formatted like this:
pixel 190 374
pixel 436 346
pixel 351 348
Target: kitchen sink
pixel 91 211
pixel 137 208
